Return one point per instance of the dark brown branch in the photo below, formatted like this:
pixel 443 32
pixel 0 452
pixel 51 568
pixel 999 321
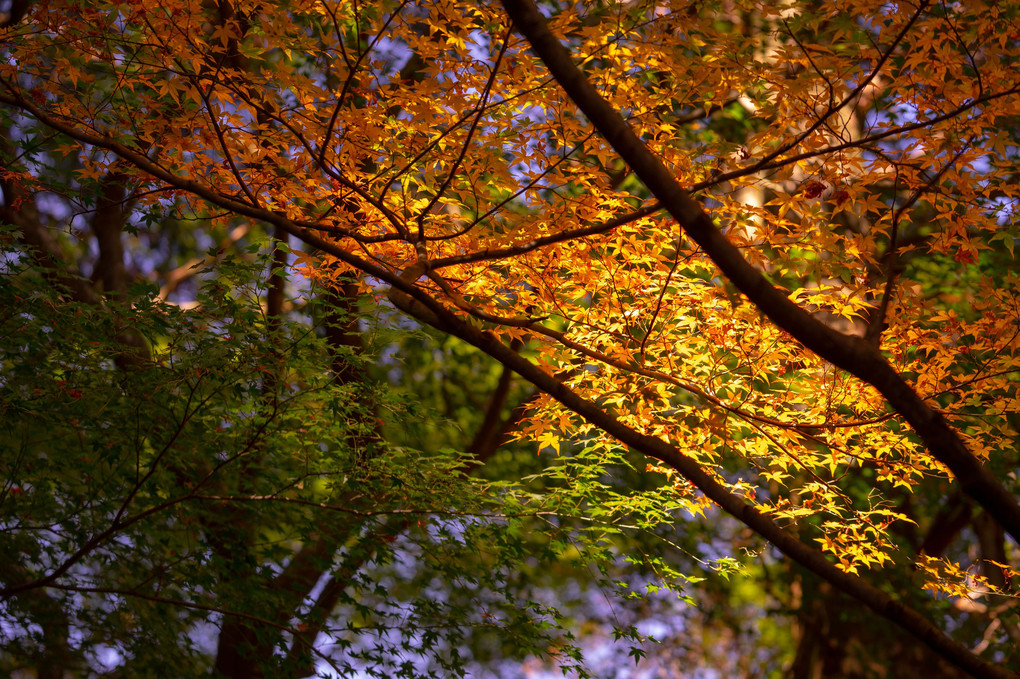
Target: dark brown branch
pixel 486 439
pixel 15 13
pixel 560 237
pixel 108 226
pixel 277 280
pixel 991 539
pixel 483 449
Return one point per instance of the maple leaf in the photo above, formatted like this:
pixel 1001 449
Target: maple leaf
pixel 964 256
pixel 815 188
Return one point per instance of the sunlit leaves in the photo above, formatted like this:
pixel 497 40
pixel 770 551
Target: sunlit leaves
pixel 861 155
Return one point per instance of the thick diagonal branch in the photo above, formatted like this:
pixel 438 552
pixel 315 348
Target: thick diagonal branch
pixel 853 354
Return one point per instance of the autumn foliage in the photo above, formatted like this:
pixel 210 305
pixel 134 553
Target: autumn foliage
pixel 770 247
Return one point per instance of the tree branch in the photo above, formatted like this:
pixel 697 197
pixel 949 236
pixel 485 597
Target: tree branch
pixel 853 354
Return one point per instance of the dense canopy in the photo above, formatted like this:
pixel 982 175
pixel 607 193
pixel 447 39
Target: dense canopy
pixel 387 338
